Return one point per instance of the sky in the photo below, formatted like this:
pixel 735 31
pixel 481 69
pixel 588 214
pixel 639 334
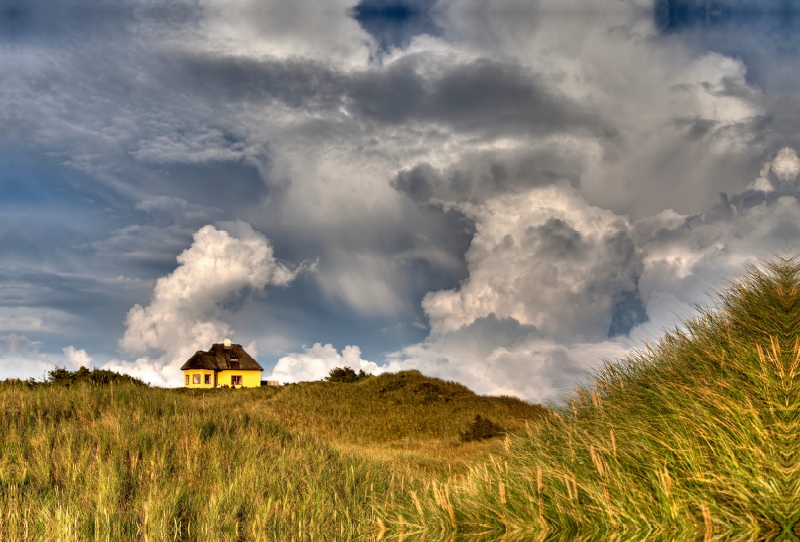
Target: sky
pixel 503 193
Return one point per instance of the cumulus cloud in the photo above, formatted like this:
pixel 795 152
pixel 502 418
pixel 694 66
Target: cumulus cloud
pixel 537 369
pixel 77 358
pixel 762 183
pixel 545 258
pixel 481 175
pixel 316 362
pixel 786 165
pixel 549 275
pixel 20 357
pixel 187 308
pixel 550 176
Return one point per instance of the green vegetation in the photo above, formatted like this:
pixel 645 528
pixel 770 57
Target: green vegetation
pixel 345 374
pixel 312 460
pixel 695 437
pixel 63 376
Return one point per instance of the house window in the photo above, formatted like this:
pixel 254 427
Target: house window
pixel 187 380
pixel 208 379
pixel 236 380
pixel 195 379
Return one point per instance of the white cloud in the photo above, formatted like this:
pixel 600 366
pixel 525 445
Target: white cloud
pixel 155 371
pixel 33 319
pixel 20 358
pixel 786 165
pixel 271 85
pixel 762 183
pixel 545 269
pixel 705 252
pixel 186 310
pixel 316 362
pixel 77 358
pixel 286 29
pixel 545 258
pixel 537 369
pixel 530 319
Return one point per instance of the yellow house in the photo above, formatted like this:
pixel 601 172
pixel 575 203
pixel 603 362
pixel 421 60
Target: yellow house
pixel 224 364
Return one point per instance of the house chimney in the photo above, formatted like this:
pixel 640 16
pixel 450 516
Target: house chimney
pixel 226 342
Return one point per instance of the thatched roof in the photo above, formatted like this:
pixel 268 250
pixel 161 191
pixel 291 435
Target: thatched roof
pixel 222 358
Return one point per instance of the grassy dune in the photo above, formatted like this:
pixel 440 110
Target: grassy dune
pixel 696 437
pixel 307 461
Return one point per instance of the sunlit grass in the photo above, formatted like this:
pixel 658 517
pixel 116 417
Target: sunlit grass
pixel 696 437
pixel 305 461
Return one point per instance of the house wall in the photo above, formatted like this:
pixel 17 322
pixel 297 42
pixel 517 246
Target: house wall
pixel 202 373
pixel 250 379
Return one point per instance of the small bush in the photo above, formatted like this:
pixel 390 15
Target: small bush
pixel 63 376
pixel 345 374
pixel 480 429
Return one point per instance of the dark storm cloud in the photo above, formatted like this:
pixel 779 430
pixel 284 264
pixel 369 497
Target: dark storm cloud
pixel 485 174
pixel 418 183
pixel 556 239
pixel 294 82
pixel 128 126
pixel 482 95
pixel 485 96
pixel 488 332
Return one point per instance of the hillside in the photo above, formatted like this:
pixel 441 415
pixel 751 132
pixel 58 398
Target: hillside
pixel 126 462
pixel 404 414
pixel 695 437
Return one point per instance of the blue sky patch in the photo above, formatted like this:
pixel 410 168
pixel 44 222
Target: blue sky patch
pixel 393 24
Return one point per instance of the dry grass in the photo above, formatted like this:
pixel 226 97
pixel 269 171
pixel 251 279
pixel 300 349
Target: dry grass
pixel 313 460
pixel 694 438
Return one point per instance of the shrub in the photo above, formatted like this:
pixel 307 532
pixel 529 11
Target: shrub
pixel 482 428
pixel 62 375
pixel 345 374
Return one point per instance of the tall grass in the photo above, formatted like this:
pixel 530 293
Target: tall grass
pixel 126 462
pixel 696 436
pixel 131 463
